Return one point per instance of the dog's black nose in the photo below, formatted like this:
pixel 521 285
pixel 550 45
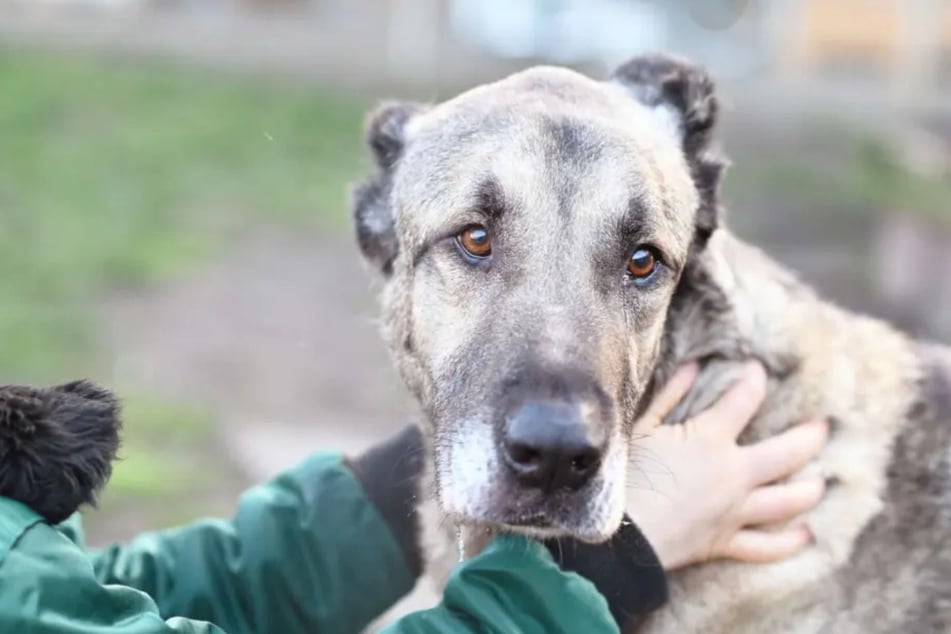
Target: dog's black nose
pixel 548 446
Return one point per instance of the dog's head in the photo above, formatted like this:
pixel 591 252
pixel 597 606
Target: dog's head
pixel 531 234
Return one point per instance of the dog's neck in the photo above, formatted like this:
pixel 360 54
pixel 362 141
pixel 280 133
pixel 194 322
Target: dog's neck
pixel 822 361
pixel 860 373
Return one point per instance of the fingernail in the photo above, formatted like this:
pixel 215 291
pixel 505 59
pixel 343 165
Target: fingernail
pixel 686 372
pixel 688 369
pixel 818 488
pixel 755 371
pixel 753 365
pixel 820 425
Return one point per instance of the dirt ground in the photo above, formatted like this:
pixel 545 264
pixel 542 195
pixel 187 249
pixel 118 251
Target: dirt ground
pixel 277 338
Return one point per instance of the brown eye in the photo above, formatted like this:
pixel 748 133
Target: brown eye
pixel 642 263
pixel 475 241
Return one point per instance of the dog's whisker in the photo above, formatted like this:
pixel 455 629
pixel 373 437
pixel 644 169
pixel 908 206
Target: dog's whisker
pixel 460 543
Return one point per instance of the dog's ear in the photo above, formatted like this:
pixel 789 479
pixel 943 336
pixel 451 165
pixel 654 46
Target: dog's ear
pixel 370 200
pixel 683 95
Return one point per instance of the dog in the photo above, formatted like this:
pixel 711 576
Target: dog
pixel 551 247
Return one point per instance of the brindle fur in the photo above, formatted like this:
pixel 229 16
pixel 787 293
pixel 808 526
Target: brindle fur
pixel 569 174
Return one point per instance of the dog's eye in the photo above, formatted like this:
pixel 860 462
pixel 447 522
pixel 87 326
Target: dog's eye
pixel 642 264
pixel 475 241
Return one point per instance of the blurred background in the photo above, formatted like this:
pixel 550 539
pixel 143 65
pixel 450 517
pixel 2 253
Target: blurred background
pixel 173 173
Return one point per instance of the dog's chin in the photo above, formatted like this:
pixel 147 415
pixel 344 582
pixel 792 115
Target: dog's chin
pixel 473 490
pixel 538 525
pixel 546 532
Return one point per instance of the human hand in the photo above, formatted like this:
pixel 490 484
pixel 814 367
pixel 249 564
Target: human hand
pixel 714 493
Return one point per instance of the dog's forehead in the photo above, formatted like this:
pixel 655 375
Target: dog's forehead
pixel 537 130
pixel 541 91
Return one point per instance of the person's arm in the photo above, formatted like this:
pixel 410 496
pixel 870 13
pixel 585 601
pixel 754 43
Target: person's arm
pixel 306 553
pixel 47 586
pixel 315 550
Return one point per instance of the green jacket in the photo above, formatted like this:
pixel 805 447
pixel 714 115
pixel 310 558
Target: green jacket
pixel 306 553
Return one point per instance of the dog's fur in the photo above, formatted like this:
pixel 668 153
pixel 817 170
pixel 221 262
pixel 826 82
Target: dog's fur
pixel 570 174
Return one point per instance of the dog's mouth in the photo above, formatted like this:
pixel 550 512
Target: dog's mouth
pixel 543 516
pixel 539 520
pixel 478 485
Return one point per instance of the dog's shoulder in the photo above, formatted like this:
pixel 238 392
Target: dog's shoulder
pixel 919 472
pixel 908 538
pixel 924 444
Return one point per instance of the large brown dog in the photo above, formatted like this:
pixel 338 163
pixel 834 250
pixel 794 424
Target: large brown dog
pixel 552 248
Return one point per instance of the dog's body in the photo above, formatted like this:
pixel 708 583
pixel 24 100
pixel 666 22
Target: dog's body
pixel 570 178
pixel 882 558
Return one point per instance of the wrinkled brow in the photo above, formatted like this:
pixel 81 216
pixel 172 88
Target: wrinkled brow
pixel 489 199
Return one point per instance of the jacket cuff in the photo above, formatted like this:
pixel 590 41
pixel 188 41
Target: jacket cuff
pixel 625 570
pixel 390 475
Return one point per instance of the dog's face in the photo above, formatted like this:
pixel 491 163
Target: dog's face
pixel 532 233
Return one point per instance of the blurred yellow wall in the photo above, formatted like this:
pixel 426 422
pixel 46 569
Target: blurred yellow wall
pixel 895 37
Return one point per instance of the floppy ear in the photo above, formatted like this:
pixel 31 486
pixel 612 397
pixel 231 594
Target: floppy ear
pixel 370 200
pixel 700 319
pixel 683 95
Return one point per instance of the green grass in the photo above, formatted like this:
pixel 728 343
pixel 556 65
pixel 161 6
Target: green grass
pixel 880 178
pixel 118 175
pixel 171 469
pixel 181 433
pixel 114 176
pixel 866 178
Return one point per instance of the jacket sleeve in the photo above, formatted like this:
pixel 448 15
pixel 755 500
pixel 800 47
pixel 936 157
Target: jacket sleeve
pixel 306 552
pixel 47 586
pixel 514 585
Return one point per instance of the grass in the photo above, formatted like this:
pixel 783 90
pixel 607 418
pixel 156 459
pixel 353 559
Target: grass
pixel 114 176
pixel 866 178
pixel 880 178
pixel 181 431
pixel 170 468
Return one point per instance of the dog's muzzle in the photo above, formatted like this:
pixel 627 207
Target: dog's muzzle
pixel 549 447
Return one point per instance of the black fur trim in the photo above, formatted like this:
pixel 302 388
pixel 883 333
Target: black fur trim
pixel 390 474
pixel 57 445
pixel 625 570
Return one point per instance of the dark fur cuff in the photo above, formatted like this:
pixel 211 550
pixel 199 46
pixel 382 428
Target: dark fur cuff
pixel 390 475
pixel 625 570
pixel 56 445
